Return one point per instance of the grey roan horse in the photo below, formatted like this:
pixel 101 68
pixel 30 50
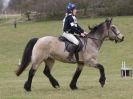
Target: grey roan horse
pixel 48 49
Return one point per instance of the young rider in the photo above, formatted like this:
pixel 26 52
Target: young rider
pixel 71 27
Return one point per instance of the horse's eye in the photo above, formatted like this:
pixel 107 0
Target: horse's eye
pixel 113 28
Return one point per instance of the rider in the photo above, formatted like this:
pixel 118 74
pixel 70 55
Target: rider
pixel 71 27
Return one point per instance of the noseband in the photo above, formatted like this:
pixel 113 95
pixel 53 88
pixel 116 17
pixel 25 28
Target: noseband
pixel 116 34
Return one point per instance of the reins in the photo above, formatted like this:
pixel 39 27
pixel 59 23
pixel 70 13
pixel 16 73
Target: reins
pixel 94 40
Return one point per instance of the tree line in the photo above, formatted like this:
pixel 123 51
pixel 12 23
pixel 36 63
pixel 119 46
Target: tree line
pixel 55 9
pixel 1 4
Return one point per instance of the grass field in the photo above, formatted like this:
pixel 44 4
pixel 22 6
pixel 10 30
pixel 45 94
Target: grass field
pixel 13 41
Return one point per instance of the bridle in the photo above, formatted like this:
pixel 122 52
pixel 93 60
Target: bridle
pixel 116 34
pixel 101 40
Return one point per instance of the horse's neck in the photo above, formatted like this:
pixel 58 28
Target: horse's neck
pixel 96 39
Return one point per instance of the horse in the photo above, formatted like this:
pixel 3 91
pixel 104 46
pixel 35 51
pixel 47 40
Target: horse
pixel 49 48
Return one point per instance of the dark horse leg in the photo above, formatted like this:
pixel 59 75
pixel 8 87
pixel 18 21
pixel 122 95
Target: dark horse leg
pixel 76 75
pixel 102 74
pixel 47 71
pixel 27 85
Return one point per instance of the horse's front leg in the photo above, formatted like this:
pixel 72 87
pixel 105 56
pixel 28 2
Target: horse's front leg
pixel 102 74
pixel 93 63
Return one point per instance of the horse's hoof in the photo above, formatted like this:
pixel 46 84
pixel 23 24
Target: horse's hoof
pixel 102 81
pixel 102 85
pixel 73 87
pixel 57 87
pixel 27 87
pixel 28 90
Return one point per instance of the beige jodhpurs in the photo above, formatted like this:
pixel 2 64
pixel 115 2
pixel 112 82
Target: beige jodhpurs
pixel 71 38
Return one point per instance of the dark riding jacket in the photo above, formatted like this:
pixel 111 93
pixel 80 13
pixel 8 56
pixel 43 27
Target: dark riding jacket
pixel 71 25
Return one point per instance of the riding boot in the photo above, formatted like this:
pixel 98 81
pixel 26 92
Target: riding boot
pixel 72 52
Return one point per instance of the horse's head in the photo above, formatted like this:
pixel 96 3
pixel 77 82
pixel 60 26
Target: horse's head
pixel 112 32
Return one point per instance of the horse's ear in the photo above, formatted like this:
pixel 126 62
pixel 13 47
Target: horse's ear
pixel 111 20
pixel 89 27
pixel 108 22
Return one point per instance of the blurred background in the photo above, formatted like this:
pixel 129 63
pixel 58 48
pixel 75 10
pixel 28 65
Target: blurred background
pixel 39 10
pixel 21 20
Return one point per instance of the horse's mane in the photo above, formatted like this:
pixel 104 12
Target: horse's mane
pixel 95 28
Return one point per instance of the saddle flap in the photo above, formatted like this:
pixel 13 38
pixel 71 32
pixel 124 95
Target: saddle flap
pixel 61 38
pixel 68 44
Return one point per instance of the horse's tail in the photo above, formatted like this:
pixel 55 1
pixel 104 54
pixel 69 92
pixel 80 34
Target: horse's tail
pixel 26 56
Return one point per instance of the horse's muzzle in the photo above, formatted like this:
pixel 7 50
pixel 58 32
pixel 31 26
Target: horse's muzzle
pixel 119 40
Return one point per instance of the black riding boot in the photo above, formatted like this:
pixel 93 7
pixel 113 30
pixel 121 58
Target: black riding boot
pixel 72 52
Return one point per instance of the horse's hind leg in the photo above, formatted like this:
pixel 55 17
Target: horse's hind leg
pixel 36 61
pixel 27 85
pixel 78 71
pixel 47 71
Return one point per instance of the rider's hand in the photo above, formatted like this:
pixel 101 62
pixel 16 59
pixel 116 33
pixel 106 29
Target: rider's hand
pixel 85 33
pixel 82 34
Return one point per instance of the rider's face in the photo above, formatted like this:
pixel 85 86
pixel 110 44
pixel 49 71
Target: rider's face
pixel 74 12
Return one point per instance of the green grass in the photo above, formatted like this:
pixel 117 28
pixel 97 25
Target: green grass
pixel 13 41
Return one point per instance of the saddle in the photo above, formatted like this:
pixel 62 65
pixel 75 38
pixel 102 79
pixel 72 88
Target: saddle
pixel 68 46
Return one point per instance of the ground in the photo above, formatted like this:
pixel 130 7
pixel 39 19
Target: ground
pixel 13 41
